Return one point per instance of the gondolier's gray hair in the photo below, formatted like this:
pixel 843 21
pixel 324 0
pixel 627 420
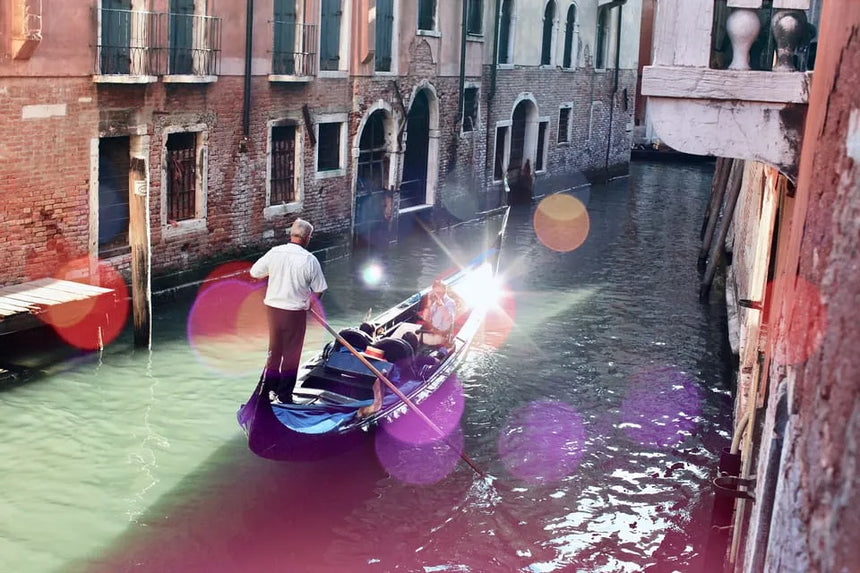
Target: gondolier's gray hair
pixel 301 229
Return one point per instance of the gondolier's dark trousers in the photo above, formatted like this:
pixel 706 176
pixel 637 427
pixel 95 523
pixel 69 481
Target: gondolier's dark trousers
pixel 286 337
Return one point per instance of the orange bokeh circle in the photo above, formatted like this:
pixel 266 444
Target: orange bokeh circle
pixel 561 222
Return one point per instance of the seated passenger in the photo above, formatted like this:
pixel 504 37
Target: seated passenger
pixel 438 317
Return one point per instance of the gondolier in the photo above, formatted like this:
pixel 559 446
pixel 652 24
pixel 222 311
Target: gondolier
pixel 294 276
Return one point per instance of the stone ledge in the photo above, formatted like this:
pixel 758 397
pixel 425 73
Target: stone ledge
pixel 705 83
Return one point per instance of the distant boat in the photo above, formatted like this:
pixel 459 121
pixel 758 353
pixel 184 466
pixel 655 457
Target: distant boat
pixel 333 387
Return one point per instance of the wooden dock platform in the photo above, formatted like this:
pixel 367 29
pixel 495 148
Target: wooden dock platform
pixel 21 304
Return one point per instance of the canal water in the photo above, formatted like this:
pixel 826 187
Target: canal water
pixel 596 400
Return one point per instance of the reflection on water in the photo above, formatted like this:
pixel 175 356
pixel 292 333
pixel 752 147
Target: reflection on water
pixel 596 404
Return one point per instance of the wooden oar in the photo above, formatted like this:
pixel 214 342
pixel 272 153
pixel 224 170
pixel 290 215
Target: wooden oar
pixel 397 391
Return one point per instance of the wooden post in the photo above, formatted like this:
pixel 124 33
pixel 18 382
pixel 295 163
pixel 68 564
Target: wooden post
pixel 718 191
pixel 713 202
pixel 734 190
pixel 138 231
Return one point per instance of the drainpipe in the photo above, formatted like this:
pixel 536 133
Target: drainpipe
pixel 463 61
pixel 491 94
pixel 246 96
pixel 620 4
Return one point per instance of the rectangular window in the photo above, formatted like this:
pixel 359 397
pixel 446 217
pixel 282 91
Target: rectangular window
pixel 384 28
pixel 426 14
pixel 470 109
pixel 499 161
pixel 328 147
pixel 115 46
pixel 113 196
pixel 603 52
pixel 563 124
pixel 283 170
pixel 475 18
pixel 330 17
pixel 541 145
pixel 181 176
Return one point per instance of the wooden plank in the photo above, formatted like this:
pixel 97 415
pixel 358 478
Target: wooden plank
pixel 70 286
pixel 28 299
pixel 8 309
pixel 791 4
pixel 40 294
pixel 704 83
pixel 682 32
pixel 744 4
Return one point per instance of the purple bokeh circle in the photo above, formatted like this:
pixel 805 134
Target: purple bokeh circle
pixel 444 408
pixel 542 441
pixel 661 406
pixel 424 463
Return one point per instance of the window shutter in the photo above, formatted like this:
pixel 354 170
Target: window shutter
pixel 384 27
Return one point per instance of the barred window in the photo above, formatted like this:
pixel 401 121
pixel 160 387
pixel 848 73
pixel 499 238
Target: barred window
pixel 563 123
pixel 328 147
pixel 181 176
pixel 283 169
pixel 499 161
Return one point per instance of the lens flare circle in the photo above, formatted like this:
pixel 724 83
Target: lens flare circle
pixel 420 464
pixel 561 222
pixel 543 441
pixel 444 408
pixel 227 326
pixel 661 407
pixel 808 321
pixel 372 274
pixel 94 322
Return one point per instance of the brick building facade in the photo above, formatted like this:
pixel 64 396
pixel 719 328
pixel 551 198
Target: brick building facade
pixel 349 114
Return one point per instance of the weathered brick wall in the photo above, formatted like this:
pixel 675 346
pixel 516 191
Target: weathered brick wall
pixel 45 166
pixel 44 174
pixel 586 153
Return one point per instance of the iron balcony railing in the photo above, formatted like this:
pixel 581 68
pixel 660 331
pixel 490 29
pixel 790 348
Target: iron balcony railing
pixel 294 52
pixel 134 42
pixel 126 43
pixel 193 45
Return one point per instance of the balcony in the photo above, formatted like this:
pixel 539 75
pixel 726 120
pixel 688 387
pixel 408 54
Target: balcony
pixel 124 52
pixel 135 46
pixel 294 53
pixel 731 78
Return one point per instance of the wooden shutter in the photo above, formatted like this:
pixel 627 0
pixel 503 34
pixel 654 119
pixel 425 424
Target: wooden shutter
pixel 116 36
pixel 330 35
pixel 286 18
pixel 181 36
pixel 384 28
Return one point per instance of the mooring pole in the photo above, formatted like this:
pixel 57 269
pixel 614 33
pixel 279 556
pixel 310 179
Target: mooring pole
pixel 138 232
pixel 718 191
pixel 734 190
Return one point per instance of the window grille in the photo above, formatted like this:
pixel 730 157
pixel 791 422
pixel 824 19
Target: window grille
pixel 328 147
pixel 181 176
pixel 283 169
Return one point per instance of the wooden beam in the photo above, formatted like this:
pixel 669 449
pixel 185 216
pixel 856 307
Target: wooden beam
pixel 705 83
pixel 141 254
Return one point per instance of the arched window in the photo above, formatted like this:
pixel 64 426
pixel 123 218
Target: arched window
pixel 506 23
pixel 548 26
pixel 569 30
pixel 603 50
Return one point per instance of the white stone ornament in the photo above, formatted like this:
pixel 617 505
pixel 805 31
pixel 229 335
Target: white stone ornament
pixel 742 27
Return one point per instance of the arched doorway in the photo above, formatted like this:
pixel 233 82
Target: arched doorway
pixel 373 207
pixel 524 126
pixel 413 188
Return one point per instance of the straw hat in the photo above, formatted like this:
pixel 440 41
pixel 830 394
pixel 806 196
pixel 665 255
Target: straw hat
pixel 374 352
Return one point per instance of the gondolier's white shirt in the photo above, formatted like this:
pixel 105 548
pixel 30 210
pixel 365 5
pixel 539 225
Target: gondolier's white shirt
pixel 293 273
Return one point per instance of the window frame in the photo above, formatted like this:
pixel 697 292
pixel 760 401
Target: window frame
pixel 339 118
pixel 506 149
pixel 198 222
pixel 432 31
pixel 271 210
pixel 344 41
pixel 470 11
pixel 476 123
pixel 567 106
pixel 541 145
pixel 573 34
